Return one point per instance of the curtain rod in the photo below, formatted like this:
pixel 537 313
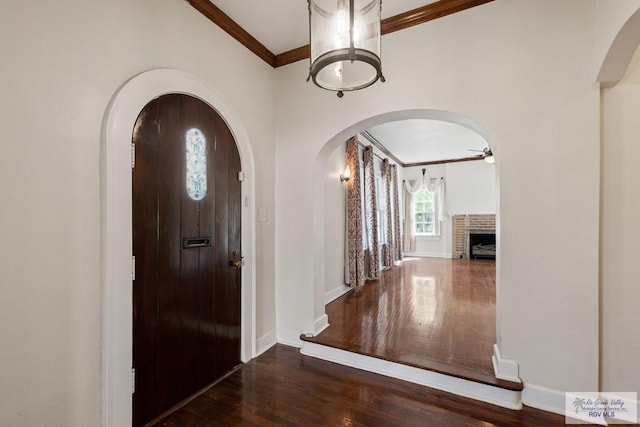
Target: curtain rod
pixel 442 177
pixel 370 145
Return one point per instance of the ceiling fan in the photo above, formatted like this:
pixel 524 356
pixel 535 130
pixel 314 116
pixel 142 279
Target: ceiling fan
pixel 487 155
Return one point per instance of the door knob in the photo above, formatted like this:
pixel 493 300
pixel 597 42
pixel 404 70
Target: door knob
pixel 238 263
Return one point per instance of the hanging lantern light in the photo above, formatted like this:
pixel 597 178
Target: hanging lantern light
pixel 345 44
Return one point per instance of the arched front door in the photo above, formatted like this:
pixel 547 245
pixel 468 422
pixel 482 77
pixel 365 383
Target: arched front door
pixel 186 244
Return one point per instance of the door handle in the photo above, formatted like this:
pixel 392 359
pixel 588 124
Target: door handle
pixel 237 261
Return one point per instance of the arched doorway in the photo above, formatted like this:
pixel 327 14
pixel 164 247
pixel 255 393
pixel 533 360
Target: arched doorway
pixel 323 222
pixel 117 227
pixel 187 251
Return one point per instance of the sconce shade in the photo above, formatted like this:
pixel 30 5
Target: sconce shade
pixel 345 44
pixel 490 159
pixel 346 175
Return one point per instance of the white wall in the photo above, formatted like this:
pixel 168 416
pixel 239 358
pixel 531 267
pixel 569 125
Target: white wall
pixel 528 89
pixel 334 229
pixel 620 234
pixel 61 64
pixel 617 26
pixel 471 188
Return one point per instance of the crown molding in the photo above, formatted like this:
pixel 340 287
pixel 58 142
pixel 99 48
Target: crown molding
pixel 441 162
pixel 392 24
pixel 221 19
pixel 395 23
pixel 427 13
pixel 374 141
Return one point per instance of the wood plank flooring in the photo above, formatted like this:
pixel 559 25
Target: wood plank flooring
pixel 284 388
pixel 431 313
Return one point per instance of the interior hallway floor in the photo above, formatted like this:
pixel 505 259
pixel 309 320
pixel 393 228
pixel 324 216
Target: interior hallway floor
pixel 284 388
pixel 431 313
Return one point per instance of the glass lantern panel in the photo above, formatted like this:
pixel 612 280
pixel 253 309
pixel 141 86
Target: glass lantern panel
pixel 366 25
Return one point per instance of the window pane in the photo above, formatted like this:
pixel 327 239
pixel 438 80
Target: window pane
pixel 419 207
pixel 428 206
pixel 420 228
pixel 419 217
pixel 429 228
pixel 428 217
pixel 196 164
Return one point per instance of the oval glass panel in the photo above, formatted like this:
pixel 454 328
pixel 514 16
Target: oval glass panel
pixel 196 164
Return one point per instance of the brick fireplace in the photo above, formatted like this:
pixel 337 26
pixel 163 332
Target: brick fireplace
pixel 465 225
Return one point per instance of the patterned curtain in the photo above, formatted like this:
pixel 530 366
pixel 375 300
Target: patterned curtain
pixel 371 212
pixel 389 250
pixel 354 217
pixel 397 240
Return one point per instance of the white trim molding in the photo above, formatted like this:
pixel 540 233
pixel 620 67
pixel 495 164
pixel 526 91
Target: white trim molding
pixel 544 398
pixel 428 254
pixel 320 324
pixel 336 293
pixel 265 342
pixel 486 393
pixel 120 118
pixel 314 328
pixel 290 338
pixel 504 369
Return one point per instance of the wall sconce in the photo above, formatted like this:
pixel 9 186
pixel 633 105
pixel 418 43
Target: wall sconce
pixel 346 175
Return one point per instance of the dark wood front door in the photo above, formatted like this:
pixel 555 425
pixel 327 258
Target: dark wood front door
pixel 186 243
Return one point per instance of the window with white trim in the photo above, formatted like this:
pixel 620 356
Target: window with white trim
pixel 425 208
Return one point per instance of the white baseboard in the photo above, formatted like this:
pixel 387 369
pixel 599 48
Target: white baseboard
pixel 336 293
pixel 504 369
pixel 265 342
pixel 622 418
pixel 428 254
pixel 289 338
pixel 320 324
pixel 551 400
pixel 544 398
pixel 483 392
pixel 317 326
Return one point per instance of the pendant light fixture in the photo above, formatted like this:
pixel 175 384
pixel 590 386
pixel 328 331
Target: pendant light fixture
pixel 345 44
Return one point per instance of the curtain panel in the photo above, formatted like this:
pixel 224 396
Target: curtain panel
pixel 355 253
pixel 397 240
pixel 371 214
pixel 409 236
pixel 388 251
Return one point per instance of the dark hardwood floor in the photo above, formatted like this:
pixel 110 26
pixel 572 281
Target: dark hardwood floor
pixel 284 388
pixel 431 313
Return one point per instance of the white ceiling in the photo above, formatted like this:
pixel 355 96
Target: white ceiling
pixel 282 25
pixel 421 140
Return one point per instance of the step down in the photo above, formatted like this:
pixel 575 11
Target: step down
pixel 503 393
